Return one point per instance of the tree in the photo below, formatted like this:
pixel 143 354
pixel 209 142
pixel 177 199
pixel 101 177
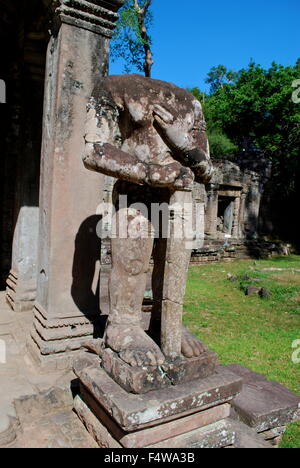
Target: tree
pixel 255 105
pixel 218 77
pixel 258 107
pixel 131 41
pixel 198 94
pixel 220 144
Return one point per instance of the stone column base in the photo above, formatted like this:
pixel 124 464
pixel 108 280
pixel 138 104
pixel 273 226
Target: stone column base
pixel 54 343
pixel 20 294
pixel 50 363
pixel 190 415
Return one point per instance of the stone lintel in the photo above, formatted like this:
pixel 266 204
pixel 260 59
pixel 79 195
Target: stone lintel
pixel 263 404
pixel 145 379
pixel 229 193
pixel 99 17
pixel 132 412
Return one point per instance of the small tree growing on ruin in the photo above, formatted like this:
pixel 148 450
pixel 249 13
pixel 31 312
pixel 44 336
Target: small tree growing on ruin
pixel 131 41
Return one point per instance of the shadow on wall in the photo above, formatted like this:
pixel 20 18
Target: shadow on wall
pixel 85 289
pixel 86 267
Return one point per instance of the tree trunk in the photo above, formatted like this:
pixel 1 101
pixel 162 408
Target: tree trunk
pixel 142 12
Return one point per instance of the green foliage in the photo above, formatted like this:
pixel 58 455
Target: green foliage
pixel 291 437
pixel 127 43
pixel 220 145
pixel 198 94
pixel 219 76
pixel 257 106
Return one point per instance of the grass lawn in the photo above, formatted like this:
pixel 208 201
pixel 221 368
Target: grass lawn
pixel 253 331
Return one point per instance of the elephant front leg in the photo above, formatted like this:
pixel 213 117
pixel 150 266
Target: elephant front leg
pixel 131 253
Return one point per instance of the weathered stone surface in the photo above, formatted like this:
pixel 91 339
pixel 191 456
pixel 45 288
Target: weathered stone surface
pixel 217 435
pixel 206 429
pixel 20 294
pixel 133 412
pixel 108 435
pixel 265 293
pixel 59 429
pixel 7 430
pixel 99 17
pixel 31 407
pixel 95 428
pixel 245 437
pixel 172 429
pixel 144 379
pixel 264 404
pixel 274 434
pixel 250 290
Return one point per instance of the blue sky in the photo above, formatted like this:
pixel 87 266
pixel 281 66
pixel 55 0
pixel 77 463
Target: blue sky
pixel 191 36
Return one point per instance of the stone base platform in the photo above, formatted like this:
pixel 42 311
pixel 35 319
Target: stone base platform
pixel 186 415
pixel 266 406
pixel 144 379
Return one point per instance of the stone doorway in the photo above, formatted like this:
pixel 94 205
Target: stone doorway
pixel 225 215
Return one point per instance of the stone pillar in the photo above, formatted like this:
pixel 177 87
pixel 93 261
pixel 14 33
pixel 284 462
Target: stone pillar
pixel 252 207
pixel 199 199
pixel 242 214
pixel 236 218
pixel 21 283
pixel 67 305
pixel 211 210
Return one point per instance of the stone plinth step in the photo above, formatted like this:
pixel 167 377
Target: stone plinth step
pixel 134 412
pixel 263 404
pixel 207 429
pixel 108 434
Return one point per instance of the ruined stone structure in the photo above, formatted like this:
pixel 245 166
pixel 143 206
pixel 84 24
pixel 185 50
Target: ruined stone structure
pixel 234 206
pixel 234 197
pixel 236 216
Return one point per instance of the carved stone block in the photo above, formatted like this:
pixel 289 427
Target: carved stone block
pixel 145 379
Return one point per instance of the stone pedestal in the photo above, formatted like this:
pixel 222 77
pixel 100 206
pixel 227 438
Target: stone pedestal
pixel 143 379
pixel 67 304
pixel 188 415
